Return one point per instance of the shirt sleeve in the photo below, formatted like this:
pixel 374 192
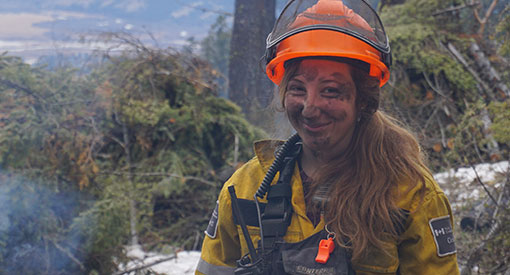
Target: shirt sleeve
pixel 427 246
pixel 221 247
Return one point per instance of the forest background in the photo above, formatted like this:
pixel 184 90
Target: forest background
pixel 133 146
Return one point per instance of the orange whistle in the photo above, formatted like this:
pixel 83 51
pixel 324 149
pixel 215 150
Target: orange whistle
pixel 326 247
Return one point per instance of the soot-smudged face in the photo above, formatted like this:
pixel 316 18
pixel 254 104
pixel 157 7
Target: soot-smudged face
pixel 320 102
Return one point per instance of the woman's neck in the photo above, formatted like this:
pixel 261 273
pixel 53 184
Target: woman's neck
pixel 311 161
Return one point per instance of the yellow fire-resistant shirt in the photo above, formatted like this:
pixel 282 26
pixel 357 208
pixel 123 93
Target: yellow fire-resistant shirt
pixel 425 246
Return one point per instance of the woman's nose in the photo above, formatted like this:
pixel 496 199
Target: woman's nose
pixel 311 106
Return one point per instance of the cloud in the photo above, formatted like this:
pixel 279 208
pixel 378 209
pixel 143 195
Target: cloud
pixel 23 24
pixel 26 25
pixel 206 15
pixel 131 5
pixel 107 3
pixel 65 15
pixel 68 3
pixel 33 49
pixel 11 45
pixel 125 5
pixel 179 42
pixel 186 10
pixel 181 12
pixel 103 24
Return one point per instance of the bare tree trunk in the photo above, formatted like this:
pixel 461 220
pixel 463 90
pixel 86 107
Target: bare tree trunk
pixel 249 86
pixel 458 56
pixel 132 203
pixel 493 146
pixel 489 73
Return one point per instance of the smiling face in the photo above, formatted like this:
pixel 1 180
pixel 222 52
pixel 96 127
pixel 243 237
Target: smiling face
pixel 320 102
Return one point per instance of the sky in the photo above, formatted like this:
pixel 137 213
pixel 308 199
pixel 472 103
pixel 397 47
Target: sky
pixel 31 28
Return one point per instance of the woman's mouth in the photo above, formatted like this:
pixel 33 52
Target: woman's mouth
pixel 315 127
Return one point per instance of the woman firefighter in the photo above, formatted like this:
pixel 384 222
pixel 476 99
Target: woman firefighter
pixel 349 193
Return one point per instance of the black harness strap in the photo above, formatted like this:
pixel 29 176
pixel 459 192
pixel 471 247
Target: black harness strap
pixel 278 211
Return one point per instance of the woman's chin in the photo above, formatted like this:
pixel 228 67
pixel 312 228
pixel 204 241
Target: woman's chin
pixel 316 142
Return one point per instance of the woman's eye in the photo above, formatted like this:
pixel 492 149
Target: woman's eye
pixel 339 93
pixel 331 92
pixel 295 89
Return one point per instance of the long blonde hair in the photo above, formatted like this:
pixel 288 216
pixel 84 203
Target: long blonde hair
pixel 362 183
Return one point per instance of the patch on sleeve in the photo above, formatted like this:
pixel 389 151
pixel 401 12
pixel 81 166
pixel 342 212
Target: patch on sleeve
pixel 443 235
pixel 212 227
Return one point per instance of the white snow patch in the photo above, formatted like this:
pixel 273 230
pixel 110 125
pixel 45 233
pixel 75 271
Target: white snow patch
pixel 182 263
pixel 462 185
pixel 486 171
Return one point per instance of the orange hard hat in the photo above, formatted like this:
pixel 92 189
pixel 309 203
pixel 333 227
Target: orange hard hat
pixel 346 29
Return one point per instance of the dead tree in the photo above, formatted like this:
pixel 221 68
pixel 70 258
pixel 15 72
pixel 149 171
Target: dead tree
pixel 483 88
pixel 489 73
pixel 249 87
